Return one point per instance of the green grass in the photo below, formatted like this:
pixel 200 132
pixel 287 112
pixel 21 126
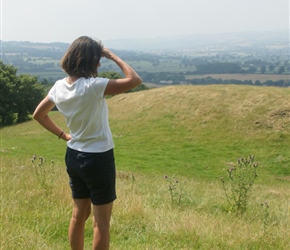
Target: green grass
pixel 194 131
pixel 189 133
pixel 164 65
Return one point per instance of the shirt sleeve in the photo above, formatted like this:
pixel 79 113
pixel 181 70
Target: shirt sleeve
pixel 51 93
pixel 99 86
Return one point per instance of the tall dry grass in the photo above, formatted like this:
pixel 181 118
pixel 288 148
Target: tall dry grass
pixel 145 216
pixel 35 212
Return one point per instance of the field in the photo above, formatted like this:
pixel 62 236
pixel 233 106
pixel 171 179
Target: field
pixel 191 134
pixel 172 65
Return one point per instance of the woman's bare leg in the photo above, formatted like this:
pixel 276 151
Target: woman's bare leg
pixel 101 220
pixel 81 212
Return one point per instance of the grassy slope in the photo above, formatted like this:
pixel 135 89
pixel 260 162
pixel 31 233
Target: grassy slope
pixel 185 130
pixel 195 130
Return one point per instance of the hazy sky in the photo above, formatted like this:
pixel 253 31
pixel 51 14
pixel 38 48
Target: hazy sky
pixel 65 20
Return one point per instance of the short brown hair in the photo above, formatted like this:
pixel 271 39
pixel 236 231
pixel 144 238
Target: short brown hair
pixel 82 57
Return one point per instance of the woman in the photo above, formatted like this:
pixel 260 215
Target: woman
pixel 80 97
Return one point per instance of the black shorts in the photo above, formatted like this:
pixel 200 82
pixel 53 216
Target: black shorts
pixel 92 175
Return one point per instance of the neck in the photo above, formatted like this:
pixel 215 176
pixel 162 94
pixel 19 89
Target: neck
pixel 72 79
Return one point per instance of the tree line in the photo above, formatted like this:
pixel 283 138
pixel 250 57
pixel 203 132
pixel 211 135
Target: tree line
pixel 165 78
pixel 203 66
pixel 19 95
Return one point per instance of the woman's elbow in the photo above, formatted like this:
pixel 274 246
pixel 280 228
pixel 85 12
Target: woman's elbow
pixel 138 81
pixel 35 116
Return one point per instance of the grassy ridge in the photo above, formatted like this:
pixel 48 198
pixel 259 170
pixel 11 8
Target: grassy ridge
pixel 189 132
pixel 186 130
pixel 194 131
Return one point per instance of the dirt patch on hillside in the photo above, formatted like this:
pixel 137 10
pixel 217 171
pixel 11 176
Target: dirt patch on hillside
pixel 276 120
pixel 281 113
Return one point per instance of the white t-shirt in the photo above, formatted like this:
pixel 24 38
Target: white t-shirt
pixel 85 108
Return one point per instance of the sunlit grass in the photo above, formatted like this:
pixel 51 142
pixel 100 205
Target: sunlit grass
pixel 188 133
pixel 35 214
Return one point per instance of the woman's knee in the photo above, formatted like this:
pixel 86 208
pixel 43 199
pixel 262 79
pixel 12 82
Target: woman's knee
pixel 81 210
pixel 102 216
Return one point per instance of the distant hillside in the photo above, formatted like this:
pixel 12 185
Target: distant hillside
pixel 244 40
pixel 171 60
pixel 278 39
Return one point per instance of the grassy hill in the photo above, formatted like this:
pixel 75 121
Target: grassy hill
pixel 195 130
pixel 190 134
pixel 185 130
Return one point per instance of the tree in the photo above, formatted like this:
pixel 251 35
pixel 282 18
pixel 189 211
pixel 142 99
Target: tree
pixel 29 94
pixel 7 81
pixel 19 95
pixel 271 67
pixel 138 88
pixel 263 69
pixel 110 75
pixel 114 75
pixel 252 69
pixel 281 69
pixel 218 68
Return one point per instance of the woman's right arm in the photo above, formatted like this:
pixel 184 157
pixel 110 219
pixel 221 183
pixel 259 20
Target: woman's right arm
pixel 130 81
